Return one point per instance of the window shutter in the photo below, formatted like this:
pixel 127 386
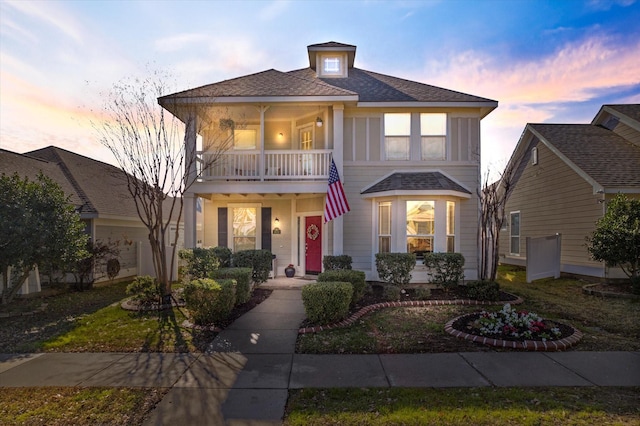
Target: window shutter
pixel 266 228
pixel 222 227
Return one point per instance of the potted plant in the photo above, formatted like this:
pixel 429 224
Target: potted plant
pixel 290 271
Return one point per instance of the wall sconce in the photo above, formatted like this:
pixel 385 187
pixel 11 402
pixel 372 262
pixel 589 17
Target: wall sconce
pixel 276 226
pixel 319 122
pixel 280 134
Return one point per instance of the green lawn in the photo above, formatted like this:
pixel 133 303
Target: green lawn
pixel 474 406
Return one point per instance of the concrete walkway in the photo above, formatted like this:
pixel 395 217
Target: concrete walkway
pixel 245 375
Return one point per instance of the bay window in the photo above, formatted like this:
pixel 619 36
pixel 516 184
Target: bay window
pixel 384 227
pixel 420 227
pixel 451 227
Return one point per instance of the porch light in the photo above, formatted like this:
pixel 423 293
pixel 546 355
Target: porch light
pixel 319 122
pixel 276 226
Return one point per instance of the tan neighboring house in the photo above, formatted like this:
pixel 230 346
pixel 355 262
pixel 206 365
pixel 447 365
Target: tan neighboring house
pixel 99 194
pixel 565 175
pixel 408 154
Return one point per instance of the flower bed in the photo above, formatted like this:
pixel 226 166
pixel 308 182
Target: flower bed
pixel 514 329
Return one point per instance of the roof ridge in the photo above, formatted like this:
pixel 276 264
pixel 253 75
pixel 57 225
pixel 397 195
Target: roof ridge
pixel 317 80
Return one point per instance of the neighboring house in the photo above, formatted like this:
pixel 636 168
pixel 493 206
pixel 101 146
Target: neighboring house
pixel 408 154
pixel 565 175
pixel 98 191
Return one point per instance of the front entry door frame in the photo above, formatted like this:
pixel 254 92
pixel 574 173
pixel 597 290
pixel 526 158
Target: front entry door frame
pixel 302 235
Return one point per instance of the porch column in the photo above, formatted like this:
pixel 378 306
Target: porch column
pixel 338 156
pixel 190 176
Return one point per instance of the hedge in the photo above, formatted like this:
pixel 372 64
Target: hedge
pixel 210 301
pixel 355 278
pixel 326 302
pixel 242 276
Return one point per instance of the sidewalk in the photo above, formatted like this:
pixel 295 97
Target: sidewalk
pixel 245 376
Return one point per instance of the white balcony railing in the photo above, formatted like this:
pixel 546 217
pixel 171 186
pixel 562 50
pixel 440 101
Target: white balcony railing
pixel 272 165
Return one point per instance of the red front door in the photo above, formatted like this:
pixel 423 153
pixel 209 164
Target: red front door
pixel 313 244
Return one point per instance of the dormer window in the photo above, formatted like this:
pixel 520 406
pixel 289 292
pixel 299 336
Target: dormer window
pixel 331 65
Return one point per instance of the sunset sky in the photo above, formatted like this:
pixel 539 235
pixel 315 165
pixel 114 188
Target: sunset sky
pixel 544 61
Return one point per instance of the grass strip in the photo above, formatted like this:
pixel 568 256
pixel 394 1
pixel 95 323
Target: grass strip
pixel 456 406
pixel 77 406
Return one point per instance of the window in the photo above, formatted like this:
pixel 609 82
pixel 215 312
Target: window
pixel 331 65
pixel 397 136
pixel 420 227
pixel 451 229
pixel 514 245
pixel 245 225
pixel 433 132
pixel 384 227
pixel 244 139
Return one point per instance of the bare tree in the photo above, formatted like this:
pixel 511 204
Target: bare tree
pixel 151 149
pixel 493 200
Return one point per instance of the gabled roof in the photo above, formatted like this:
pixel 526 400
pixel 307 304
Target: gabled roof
pixel 97 189
pixel 399 183
pixel 610 115
pixel 605 157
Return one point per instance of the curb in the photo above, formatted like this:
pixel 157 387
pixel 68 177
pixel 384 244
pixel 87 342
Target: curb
pixel 410 303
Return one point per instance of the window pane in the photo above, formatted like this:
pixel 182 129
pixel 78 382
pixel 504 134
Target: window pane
pixel 433 147
pixel 384 244
pixel 244 243
pixel 244 139
pixel 384 219
pixel 397 147
pixel 451 244
pixel 397 124
pixel 332 65
pixel 515 223
pixel 419 246
pixel 433 124
pixel 420 217
pixel 451 218
pixel 244 224
pixel 515 245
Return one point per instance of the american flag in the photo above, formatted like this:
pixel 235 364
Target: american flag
pixel 336 204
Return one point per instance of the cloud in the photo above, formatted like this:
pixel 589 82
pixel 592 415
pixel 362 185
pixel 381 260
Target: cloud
pixel 16 32
pixel 573 73
pixel 608 4
pixel 51 14
pixel 273 10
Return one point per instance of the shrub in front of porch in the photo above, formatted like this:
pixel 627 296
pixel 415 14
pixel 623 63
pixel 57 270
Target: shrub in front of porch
pixel 395 268
pixel 210 301
pixel 355 278
pixel 332 263
pixel 198 262
pixel 242 276
pixel 483 290
pixel 258 260
pixel 327 302
pixel 446 269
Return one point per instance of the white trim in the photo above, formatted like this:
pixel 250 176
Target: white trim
pixel 419 171
pixel 416 192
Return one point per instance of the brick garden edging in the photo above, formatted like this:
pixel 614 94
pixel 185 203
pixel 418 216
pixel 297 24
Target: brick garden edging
pixel 410 303
pixel 527 345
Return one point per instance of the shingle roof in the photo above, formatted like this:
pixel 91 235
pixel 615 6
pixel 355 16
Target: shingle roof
pixel 630 110
pixel 368 86
pixel 30 167
pixel 418 181
pixel 608 158
pixel 101 186
pixel 262 84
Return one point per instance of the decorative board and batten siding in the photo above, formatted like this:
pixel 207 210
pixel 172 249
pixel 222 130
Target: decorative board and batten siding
pixel 628 133
pixel 552 198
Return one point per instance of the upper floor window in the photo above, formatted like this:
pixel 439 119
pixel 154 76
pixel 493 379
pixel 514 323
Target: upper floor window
pixel 397 136
pixel 433 132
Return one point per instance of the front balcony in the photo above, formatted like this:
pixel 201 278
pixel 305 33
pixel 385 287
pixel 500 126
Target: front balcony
pixel 268 165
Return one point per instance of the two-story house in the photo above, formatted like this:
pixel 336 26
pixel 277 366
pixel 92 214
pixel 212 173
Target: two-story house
pixel 408 155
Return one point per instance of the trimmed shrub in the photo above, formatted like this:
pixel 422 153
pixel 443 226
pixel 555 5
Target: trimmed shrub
pixel 258 260
pixel 326 302
pixel 210 301
pixel 395 268
pixel 391 293
pixel 423 293
pixel 199 262
pixel 242 276
pixel 145 290
pixel 483 290
pixel 332 263
pixel 224 256
pixel 355 278
pixel 446 269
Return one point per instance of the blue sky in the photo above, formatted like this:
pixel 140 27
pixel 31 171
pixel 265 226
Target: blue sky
pixel 544 61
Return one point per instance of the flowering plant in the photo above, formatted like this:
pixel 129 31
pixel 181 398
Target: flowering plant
pixel 508 322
